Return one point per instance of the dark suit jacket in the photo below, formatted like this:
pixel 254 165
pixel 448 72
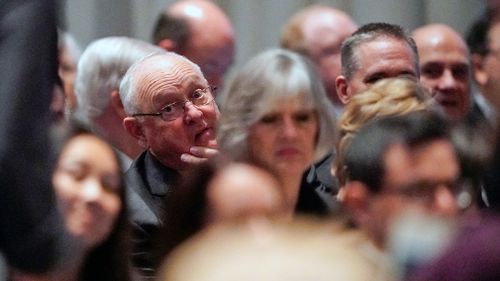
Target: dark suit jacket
pixel 477 118
pixel 318 189
pixel 148 182
pixel 30 230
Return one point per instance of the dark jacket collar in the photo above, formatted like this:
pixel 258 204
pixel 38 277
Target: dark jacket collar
pixel 158 177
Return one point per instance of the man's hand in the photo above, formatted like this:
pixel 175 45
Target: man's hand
pixel 198 154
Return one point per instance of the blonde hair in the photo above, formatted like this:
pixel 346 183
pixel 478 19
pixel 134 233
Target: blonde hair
pixel 387 97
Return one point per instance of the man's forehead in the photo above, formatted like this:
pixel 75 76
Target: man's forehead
pixel 386 55
pixel 162 75
pixel 164 66
pixel 445 58
pixel 432 161
pixel 397 165
pixel 442 45
pixel 384 45
pixel 436 160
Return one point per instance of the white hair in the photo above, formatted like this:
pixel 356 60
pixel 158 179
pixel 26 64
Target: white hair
pixel 101 69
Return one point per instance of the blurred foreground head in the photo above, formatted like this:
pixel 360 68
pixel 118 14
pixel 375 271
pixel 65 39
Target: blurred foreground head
pixel 401 163
pixel 303 250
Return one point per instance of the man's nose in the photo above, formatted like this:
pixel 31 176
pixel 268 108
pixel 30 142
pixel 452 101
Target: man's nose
pixel 192 113
pixel 447 80
pixel 444 202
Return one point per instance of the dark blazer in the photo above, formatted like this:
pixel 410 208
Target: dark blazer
pixel 318 189
pixel 148 182
pixel 31 233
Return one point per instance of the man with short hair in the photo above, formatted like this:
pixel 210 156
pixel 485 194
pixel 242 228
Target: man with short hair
pixel 101 68
pixel 317 32
pixel 375 51
pixel 172 114
pixel 445 68
pixel 200 31
pixel 399 164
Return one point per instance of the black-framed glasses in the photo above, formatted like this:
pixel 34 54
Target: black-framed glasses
pixel 172 111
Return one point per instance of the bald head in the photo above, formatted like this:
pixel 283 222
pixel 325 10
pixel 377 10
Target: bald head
pixel 138 87
pixel 199 30
pixel 318 32
pixel 437 35
pixel 253 192
pixel 445 67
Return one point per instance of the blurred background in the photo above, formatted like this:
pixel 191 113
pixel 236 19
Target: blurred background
pixel 257 23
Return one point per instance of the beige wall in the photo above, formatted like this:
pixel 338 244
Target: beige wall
pixel 258 23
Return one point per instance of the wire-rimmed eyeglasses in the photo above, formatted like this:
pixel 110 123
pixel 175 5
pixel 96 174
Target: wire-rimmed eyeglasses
pixel 172 111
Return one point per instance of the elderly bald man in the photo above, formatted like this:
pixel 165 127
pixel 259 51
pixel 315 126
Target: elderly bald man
pixel 200 31
pixel 317 32
pixel 445 68
pixel 172 114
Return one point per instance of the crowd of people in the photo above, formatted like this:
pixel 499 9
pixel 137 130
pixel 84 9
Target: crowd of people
pixel 347 153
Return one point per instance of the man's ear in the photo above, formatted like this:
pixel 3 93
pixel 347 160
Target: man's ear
pixel 168 45
pixel 117 104
pixel 342 89
pixel 356 197
pixel 479 73
pixel 134 128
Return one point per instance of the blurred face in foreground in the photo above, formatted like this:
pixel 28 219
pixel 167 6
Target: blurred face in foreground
pixel 423 178
pixel 254 193
pixel 87 183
